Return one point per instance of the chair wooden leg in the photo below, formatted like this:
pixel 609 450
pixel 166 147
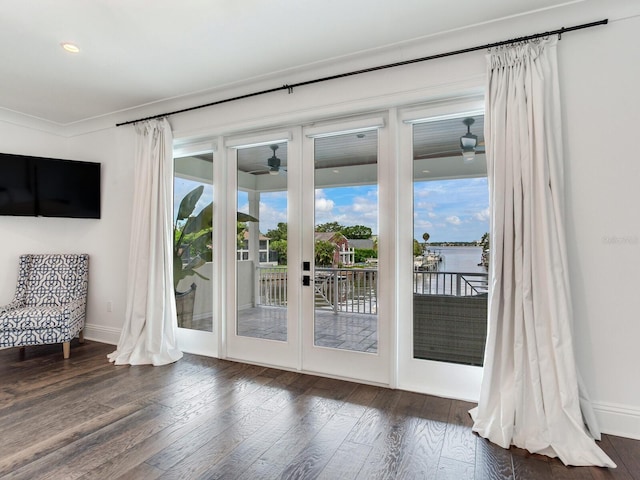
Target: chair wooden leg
pixel 66 349
pixel 81 336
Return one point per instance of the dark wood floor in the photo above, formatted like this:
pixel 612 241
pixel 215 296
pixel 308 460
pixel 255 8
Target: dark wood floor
pixel 84 418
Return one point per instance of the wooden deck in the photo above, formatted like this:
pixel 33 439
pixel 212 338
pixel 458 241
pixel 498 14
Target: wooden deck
pixel 84 418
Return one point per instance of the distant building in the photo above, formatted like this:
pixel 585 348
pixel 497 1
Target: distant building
pixel 344 254
pixel 266 255
pixel 362 244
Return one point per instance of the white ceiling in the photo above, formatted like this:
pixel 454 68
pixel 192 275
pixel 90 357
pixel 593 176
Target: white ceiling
pixel 137 52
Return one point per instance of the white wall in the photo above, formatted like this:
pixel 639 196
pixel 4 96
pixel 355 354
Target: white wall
pixel 21 234
pixel 106 240
pixel 600 78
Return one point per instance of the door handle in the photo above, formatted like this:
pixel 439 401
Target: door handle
pixel 306 280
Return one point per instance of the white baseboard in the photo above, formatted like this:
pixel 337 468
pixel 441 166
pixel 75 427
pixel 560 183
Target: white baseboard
pixel 619 420
pixel 109 335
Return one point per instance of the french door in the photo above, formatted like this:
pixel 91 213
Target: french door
pixel 346 309
pixel 318 260
pixel 195 268
pixel 442 296
pixel 263 250
pixel 303 225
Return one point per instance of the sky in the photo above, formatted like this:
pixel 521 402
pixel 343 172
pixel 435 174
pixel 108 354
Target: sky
pixel 182 186
pixel 449 210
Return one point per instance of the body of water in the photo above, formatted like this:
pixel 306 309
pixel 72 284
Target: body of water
pixel 460 259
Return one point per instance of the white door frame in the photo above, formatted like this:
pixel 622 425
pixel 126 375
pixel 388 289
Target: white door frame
pixel 368 367
pixel 197 341
pixel 395 360
pixel 283 354
pixel 425 376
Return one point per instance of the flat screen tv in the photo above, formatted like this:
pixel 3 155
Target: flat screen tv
pixel 49 187
pixel 17 186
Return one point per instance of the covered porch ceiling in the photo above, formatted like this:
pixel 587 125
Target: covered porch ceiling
pixel 351 159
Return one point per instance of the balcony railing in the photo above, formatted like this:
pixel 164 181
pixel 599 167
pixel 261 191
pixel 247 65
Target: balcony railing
pixel 457 284
pixel 355 290
pixel 273 286
pixel 347 290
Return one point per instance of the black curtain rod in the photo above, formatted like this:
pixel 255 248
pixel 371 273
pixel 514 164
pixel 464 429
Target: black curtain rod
pixel 290 88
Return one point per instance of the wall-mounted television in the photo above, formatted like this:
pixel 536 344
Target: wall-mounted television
pixel 49 187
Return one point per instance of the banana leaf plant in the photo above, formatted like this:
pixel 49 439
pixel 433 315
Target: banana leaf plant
pixel 192 235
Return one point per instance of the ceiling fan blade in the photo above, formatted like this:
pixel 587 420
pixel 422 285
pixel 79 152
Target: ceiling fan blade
pixel 245 217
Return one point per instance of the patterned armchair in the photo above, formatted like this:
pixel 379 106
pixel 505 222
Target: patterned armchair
pixel 49 304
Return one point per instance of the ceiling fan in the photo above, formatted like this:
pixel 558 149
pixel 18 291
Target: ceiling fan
pixel 443 140
pixel 469 141
pixel 273 164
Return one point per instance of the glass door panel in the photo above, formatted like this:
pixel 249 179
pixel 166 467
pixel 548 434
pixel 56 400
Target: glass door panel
pixel 442 289
pixel 346 242
pixel 193 262
pixel 261 260
pixel 451 217
pixel 346 317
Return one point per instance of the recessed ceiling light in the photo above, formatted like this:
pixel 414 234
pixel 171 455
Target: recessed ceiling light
pixel 336 171
pixel 70 47
pixel 426 171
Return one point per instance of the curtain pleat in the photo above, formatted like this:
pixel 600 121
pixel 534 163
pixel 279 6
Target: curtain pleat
pixel 149 332
pixel 530 395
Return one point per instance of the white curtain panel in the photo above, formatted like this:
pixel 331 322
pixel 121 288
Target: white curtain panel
pixel 530 396
pixel 149 332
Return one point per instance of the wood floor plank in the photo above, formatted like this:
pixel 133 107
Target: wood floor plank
pixel 231 408
pixel 346 462
pixel 48 444
pixel 86 453
pixel 460 441
pixel 560 472
pixel 86 419
pixel 422 449
pixel 619 473
pixel 374 421
pixel 385 455
pixel 291 443
pixel 532 466
pixel 60 419
pixel 249 450
pixel 436 408
pixel 186 421
pixel 450 469
pixel 286 415
pixel 140 472
pixel 492 462
pixel 311 460
pixel 628 452
pixel 201 462
pixel 29 388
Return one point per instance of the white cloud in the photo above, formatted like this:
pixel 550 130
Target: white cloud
pixel 244 208
pixel 454 220
pixel 324 205
pixel 368 205
pixel 422 225
pixel 270 216
pixel 482 216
